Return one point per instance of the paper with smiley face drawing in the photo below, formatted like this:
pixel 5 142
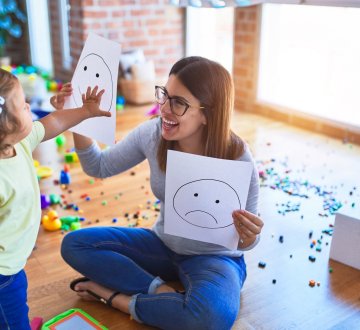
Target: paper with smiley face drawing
pixel 201 193
pixel 98 66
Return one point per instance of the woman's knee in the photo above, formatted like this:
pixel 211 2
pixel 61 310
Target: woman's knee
pixel 211 320
pixel 68 245
pixel 219 315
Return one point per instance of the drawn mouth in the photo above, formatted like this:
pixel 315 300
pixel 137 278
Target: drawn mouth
pixel 201 212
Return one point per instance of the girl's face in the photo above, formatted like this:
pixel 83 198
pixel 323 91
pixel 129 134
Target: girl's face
pixel 186 129
pixel 21 110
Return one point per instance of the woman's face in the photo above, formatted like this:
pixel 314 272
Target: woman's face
pixel 187 128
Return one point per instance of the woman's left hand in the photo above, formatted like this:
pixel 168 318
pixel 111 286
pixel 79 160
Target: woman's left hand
pixel 247 224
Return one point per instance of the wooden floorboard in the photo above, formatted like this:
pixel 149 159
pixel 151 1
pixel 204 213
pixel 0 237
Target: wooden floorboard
pixel 288 304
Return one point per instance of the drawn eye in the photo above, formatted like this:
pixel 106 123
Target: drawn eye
pixel 97 75
pixel 217 201
pixel 85 68
pixel 196 194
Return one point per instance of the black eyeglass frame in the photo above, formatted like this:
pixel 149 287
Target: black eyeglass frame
pixel 187 104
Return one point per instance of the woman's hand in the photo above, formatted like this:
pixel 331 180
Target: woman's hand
pixel 247 225
pixel 58 100
pixel 61 120
pixel 91 101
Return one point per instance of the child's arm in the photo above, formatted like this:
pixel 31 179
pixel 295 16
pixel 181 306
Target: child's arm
pixel 61 120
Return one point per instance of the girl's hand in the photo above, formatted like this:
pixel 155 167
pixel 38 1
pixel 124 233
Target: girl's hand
pixel 247 225
pixel 58 100
pixel 91 101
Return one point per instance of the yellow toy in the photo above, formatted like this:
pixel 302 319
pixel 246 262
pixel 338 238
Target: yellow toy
pixel 71 157
pixel 42 172
pixel 51 221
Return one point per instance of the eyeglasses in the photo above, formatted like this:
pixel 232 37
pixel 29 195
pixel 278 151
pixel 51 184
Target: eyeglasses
pixel 178 105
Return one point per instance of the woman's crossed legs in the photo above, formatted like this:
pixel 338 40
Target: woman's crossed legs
pixel 135 262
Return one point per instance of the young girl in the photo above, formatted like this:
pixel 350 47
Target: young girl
pixel 127 268
pixel 20 210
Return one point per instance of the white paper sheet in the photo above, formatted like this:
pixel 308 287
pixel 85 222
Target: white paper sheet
pixel 98 66
pixel 345 243
pixel 201 194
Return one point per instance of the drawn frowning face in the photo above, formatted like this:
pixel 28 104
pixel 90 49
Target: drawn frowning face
pixel 93 71
pixel 206 203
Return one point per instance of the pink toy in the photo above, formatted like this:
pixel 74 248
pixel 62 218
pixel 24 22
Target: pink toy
pixel 36 323
pixel 155 110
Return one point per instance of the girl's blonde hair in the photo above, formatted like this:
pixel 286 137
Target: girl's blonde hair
pixel 8 121
pixel 213 86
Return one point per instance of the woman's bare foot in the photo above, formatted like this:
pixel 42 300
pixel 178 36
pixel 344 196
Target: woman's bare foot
pixel 120 301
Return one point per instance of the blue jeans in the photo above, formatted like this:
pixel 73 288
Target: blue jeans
pixel 135 262
pixel 13 302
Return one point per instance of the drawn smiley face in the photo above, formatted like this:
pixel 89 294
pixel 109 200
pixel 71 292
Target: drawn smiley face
pixel 206 203
pixel 93 71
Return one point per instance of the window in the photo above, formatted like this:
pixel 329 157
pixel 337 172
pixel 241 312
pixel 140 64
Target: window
pixel 64 9
pixel 309 60
pixel 39 34
pixel 209 33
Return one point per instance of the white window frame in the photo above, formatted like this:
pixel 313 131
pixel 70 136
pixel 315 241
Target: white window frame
pixel 333 3
pixel 39 34
pixel 64 9
pixel 201 27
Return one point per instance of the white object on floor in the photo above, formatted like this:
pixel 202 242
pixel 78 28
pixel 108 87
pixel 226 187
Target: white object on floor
pixel 345 245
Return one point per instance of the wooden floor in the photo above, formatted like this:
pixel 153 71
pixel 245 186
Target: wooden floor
pixel 290 303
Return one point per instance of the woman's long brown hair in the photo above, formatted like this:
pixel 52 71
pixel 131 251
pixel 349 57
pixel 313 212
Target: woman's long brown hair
pixel 213 86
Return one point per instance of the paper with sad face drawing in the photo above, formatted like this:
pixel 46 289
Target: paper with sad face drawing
pixel 201 193
pixel 98 66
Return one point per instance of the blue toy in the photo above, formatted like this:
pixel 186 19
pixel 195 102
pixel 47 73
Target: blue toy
pixel 64 177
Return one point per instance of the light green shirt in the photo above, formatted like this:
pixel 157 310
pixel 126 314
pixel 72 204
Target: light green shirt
pixel 20 210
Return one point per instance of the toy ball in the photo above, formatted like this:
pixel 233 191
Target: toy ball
pixel 53 86
pixel 60 140
pixel 6 68
pixel 59 85
pixel 120 100
pixel 19 70
pixel 45 75
pixel 30 69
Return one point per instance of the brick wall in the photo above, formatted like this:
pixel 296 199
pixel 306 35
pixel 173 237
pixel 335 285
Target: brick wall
pixel 150 25
pixel 245 69
pixel 18 49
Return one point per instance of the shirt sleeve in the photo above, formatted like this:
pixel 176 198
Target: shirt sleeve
pixel 36 135
pixel 125 154
pixel 253 195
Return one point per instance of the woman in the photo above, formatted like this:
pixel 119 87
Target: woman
pixel 127 268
